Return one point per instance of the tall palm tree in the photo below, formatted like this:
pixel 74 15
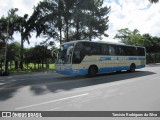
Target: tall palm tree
pixel 25 34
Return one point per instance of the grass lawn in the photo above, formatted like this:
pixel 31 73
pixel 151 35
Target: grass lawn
pixel 30 69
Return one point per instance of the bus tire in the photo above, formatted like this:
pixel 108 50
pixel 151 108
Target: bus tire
pixel 92 71
pixel 132 68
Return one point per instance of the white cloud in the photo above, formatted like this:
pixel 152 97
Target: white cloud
pixel 134 14
pixel 24 6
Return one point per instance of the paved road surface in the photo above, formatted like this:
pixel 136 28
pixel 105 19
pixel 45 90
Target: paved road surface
pixel 139 91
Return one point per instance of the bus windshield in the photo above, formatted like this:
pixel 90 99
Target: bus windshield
pixel 65 53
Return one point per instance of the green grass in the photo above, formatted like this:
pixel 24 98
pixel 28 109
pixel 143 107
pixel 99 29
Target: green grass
pixel 31 66
pixel 30 69
pixel 52 66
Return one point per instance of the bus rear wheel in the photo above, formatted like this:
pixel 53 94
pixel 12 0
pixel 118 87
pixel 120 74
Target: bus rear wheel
pixel 132 68
pixel 92 71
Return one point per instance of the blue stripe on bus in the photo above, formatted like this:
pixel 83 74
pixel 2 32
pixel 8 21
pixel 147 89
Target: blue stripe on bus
pixel 141 58
pixel 73 72
pixel 100 70
pixel 114 58
pixel 131 58
pixel 104 58
pixel 113 69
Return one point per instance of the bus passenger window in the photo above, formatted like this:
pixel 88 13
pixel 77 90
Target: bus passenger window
pixel 87 51
pixel 112 50
pixel 96 49
pixel 122 51
pixel 141 51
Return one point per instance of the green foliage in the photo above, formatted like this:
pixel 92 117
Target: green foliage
pixel 39 57
pixel 154 1
pixel 152 44
pixel 129 37
pixel 77 19
pixel 2 45
pixel 7 25
pixel 13 51
pixel 96 18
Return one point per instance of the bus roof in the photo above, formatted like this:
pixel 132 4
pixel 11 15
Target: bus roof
pixel 104 42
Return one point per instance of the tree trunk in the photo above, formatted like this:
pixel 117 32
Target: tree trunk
pixel 90 33
pixel 6 65
pixel 35 66
pixel 21 53
pixel 67 23
pixel 38 66
pixel 42 64
pixel 47 66
pixel 67 28
pixel 10 64
pixel 1 64
pixel 16 64
pixel 27 66
pixel 60 31
pixel 77 30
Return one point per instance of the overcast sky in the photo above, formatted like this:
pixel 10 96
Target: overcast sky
pixel 139 14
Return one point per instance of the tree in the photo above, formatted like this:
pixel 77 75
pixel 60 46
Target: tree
pixel 154 1
pixel 68 7
pixel 73 19
pixel 24 29
pixel 96 18
pixel 13 53
pixel 7 28
pixel 45 19
pixel 129 37
pixel 89 19
pixel 16 24
pixel 39 54
pixel 124 35
pixel 2 44
pixel 60 19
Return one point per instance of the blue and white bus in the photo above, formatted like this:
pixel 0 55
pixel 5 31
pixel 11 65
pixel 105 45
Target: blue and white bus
pixel 86 57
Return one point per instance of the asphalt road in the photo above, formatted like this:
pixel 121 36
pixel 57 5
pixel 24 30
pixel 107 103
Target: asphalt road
pixel 138 91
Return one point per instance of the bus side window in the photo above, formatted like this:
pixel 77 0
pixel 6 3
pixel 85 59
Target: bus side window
pixel 141 51
pixel 122 51
pixel 131 51
pixel 112 50
pixel 87 50
pixel 104 50
pixel 92 50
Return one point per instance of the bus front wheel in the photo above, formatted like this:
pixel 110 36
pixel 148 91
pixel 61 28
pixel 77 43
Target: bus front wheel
pixel 92 71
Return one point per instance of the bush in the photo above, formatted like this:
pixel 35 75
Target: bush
pixel 4 73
